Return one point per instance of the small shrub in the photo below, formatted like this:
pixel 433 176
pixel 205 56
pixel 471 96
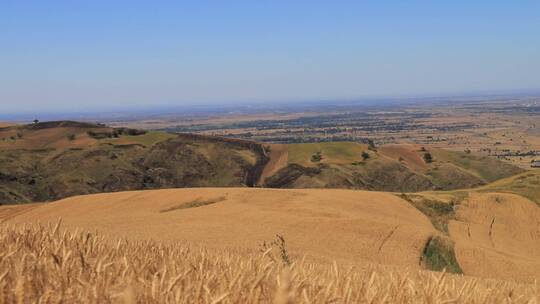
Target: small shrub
pixel 365 155
pixel 317 157
pixel 99 135
pixel 135 132
pixel 439 255
pixel 428 158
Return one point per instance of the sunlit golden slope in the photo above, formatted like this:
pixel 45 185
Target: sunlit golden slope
pixel 46 264
pixel 493 234
pixel 498 235
pixel 348 226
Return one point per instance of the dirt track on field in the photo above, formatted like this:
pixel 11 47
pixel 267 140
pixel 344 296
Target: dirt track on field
pixel 279 157
pixel 498 235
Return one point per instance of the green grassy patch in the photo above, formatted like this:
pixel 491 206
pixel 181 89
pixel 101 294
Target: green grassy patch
pixel 330 153
pixel 148 139
pixel 438 212
pixel 439 255
pixel 487 168
pixel 526 184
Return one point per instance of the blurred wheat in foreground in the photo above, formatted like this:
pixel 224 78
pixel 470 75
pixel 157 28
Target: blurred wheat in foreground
pixel 47 265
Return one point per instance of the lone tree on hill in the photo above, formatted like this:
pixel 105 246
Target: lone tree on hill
pixel 428 158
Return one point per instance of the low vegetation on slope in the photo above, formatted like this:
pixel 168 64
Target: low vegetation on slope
pixel 482 232
pixel 396 168
pixel 438 252
pixel 486 168
pixel 44 264
pixel 439 211
pixel 439 255
pixel 526 184
pixel 54 160
pixel 331 153
pixel 50 160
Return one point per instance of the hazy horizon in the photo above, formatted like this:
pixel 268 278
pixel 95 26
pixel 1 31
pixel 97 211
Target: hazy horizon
pixel 109 56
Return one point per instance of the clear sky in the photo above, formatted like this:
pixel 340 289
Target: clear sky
pixel 111 54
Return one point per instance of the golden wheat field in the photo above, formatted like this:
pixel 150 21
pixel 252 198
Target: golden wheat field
pixel 351 227
pixel 46 264
pixel 496 235
pixel 195 246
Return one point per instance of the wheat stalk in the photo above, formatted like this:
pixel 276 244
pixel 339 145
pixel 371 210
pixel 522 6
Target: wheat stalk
pixel 45 264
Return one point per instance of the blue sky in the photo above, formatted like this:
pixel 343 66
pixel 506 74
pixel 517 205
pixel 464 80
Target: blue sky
pixel 68 55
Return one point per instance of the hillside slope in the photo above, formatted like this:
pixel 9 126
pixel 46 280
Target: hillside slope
pixel 348 226
pixel 398 168
pixel 52 160
pixel 500 230
pixel 526 184
pixel 48 161
pixel 492 235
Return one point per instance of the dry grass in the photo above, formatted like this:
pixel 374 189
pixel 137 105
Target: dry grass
pixel 43 264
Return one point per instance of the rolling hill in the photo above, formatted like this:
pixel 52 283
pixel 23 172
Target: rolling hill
pixel 454 211
pixel 235 218
pixel 526 184
pixel 398 168
pixel 48 161
pixel 493 235
pixel 51 160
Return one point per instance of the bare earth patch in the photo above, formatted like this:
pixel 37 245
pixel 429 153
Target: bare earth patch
pixel 195 203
